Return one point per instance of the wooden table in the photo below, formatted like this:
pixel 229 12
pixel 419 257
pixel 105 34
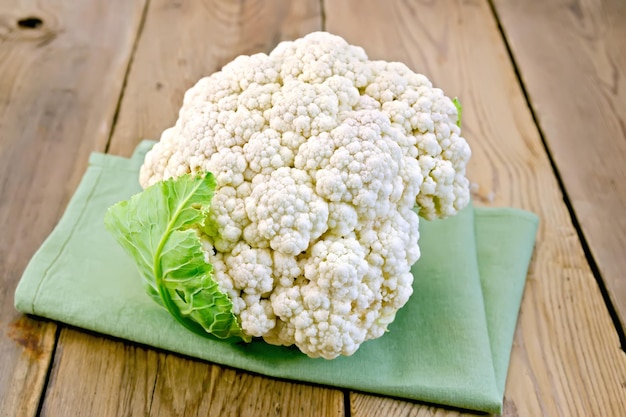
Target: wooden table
pixel 544 89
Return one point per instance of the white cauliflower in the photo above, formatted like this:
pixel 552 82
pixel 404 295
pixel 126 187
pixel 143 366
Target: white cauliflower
pixel 322 159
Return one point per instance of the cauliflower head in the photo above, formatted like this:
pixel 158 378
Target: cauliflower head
pixel 323 160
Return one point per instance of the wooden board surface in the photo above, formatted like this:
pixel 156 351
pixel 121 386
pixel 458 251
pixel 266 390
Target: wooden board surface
pixel 62 78
pixel 572 59
pixel 119 378
pixel 62 66
pixel 136 381
pixel 566 346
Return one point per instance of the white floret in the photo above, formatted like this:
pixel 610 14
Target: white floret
pixel 286 211
pixel 258 318
pixel 227 218
pixel 305 109
pixel 318 56
pixel 364 167
pixel 327 310
pixel 265 153
pixel 342 219
pixel 250 269
pixel 246 275
pixel 392 253
pixel 227 165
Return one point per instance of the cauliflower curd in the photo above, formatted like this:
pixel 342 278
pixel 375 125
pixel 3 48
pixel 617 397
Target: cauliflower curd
pixel 323 160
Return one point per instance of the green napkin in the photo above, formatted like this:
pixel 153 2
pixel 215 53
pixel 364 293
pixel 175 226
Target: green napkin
pixel 449 345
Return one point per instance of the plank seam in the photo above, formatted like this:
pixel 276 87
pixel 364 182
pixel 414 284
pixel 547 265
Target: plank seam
pixel 347 410
pixel 131 59
pixel 593 265
pixel 156 380
pixel 46 382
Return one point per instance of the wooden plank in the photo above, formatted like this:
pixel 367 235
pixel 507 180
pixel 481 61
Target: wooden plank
pixel 199 38
pixel 119 378
pixel 566 358
pixel 572 58
pixel 369 405
pixel 62 65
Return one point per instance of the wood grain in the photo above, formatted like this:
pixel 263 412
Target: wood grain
pixel 572 58
pixel 199 39
pixel 222 391
pixel 566 357
pixel 62 64
pixel 370 405
pixel 119 378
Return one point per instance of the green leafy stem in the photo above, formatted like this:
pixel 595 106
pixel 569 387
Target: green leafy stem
pixel 159 229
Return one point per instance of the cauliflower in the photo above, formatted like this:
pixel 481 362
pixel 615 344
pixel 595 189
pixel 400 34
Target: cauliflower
pixel 322 160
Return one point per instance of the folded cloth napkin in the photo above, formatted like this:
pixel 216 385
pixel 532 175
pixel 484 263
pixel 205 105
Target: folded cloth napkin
pixel 449 345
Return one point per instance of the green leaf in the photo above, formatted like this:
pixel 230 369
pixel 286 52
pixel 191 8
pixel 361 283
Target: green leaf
pixel 459 110
pixel 159 228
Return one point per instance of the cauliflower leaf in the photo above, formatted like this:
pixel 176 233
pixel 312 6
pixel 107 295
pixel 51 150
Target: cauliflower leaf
pixel 160 229
pixel 459 110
